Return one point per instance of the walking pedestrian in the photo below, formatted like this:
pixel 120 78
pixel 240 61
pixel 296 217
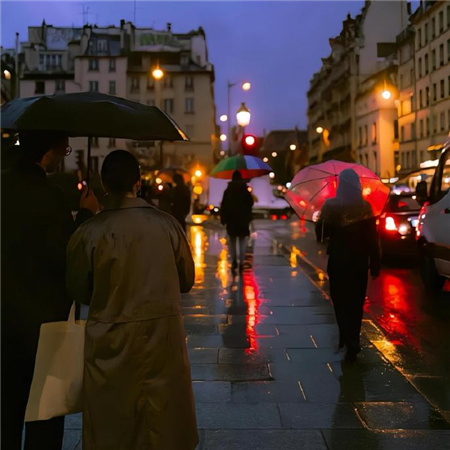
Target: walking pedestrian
pixel 36 226
pixel 181 200
pixel 236 215
pixel 129 263
pixel 353 250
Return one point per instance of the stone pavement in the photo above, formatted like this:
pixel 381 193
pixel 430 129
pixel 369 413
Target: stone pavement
pixel 266 372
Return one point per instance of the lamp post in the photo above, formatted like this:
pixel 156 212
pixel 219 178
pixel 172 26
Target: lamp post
pixel 245 86
pixel 324 142
pixel 158 75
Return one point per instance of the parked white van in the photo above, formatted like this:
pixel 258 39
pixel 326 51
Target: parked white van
pixel 433 231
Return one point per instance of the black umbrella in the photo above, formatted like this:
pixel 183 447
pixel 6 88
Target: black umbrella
pixel 90 114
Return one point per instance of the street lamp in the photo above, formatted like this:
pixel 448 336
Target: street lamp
pixel 223 118
pixel 292 147
pixel 243 115
pixel 158 74
pixel 245 86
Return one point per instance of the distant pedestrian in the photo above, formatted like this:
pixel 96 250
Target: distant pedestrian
pixel 353 250
pixel 36 226
pixel 236 215
pixel 181 200
pixel 165 202
pixel 129 263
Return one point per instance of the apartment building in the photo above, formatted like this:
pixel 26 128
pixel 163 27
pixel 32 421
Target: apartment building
pixel 119 61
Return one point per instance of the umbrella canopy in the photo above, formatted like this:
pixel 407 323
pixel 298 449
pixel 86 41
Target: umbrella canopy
pixel 314 184
pixel 90 114
pixel 248 166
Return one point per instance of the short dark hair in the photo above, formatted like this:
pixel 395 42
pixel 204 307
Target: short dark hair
pixel 236 176
pixel 120 172
pixel 35 144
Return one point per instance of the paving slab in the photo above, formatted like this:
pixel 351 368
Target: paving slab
pixel 243 356
pixel 263 440
pixel 230 372
pixel 203 355
pixel 238 415
pixel 211 391
pixel 267 392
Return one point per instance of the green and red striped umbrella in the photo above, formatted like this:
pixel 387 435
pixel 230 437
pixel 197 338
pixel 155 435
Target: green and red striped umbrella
pixel 248 166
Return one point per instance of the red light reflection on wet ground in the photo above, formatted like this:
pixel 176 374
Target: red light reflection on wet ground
pixel 251 297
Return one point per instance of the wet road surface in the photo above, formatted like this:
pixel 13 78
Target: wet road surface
pixel 265 368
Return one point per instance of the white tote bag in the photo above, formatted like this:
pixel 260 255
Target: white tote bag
pixel 58 372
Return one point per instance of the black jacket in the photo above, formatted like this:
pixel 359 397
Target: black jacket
pixel 36 226
pixel 236 209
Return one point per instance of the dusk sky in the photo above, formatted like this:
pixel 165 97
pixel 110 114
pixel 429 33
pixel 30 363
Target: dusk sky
pixel 277 46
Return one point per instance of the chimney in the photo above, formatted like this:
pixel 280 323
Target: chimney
pixel 169 26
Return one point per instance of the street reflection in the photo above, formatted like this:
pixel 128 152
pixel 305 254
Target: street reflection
pixel 199 243
pixel 222 264
pixel 251 297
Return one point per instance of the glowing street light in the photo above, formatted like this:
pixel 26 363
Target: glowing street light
pixel 292 147
pixel 246 86
pixel 243 115
pixel 272 175
pixel 198 173
pixel 274 154
pixel 157 73
pixel 265 159
pixel 386 94
pixel 223 137
pixel 7 74
pixel 223 118
pixel 319 130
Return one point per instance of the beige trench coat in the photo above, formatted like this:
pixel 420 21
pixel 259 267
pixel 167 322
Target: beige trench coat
pixel 129 264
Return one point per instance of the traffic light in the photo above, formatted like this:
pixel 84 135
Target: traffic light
pixel 249 145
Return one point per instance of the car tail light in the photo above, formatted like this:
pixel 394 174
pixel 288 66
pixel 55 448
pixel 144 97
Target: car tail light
pixel 389 224
pixel 273 217
pixel 283 217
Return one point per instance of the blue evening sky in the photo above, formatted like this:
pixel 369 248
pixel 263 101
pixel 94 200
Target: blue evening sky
pixel 276 45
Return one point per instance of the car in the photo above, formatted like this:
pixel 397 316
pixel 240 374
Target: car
pixel 433 231
pixel 397 226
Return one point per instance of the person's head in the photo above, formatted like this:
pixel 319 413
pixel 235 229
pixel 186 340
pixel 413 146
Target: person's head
pixel 46 148
pixel 121 174
pixel 349 186
pixel 178 179
pixel 236 176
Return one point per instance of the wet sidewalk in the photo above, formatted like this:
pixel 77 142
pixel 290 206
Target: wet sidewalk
pixel 265 368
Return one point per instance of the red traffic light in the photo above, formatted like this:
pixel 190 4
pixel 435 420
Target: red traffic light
pixel 249 140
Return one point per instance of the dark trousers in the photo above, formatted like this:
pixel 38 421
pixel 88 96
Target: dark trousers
pixel 348 285
pixel 18 357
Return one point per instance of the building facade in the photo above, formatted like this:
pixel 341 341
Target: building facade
pixel 348 119
pixel 119 61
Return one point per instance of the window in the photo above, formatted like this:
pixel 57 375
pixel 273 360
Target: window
pixel 150 84
pixel 435 123
pixel 433 27
pixel 135 84
pixel 94 141
pixel 441 55
pixel 60 86
pixel 360 140
pixel 93 64
pixel 413 103
pixel 407 160
pixel 448 49
pixel 448 16
pixel 448 82
pixel 442 89
pixel 427 95
pixel 102 46
pixel 184 60
pixel 427 127
pixel 419 38
pixel 421 128
pixel 168 105
pixel 93 86
pixel 442 121
pixel 402 133
pixel 420 68
pixel 425 33
pixel 374 133
pixel 426 63
pixel 135 60
pixel 441 21
pixel 189 105
pixel 413 130
pixel 39 87
pixel 395 129
pixel 420 99
pixel 112 65
pixel 433 60
pixel 366 134
pixel 434 92
pixel 112 142
pixel 168 81
pixel 189 83
pixel 112 87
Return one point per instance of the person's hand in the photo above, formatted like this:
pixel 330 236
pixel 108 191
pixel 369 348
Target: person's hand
pixel 89 201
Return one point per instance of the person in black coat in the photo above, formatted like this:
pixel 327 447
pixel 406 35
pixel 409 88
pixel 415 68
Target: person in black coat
pixel 353 250
pixel 236 215
pixel 181 200
pixel 36 226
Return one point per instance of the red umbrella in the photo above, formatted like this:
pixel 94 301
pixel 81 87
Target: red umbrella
pixel 314 184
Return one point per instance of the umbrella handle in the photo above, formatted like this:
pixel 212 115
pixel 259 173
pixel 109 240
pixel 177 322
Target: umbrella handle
pixel 88 165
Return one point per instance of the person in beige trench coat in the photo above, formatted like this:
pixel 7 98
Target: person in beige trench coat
pixel 129 263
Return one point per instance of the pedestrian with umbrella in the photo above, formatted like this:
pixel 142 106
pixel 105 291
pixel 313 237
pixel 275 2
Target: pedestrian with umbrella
pixel 236 215
pixel 181 200
pixel 36 226
pixel 345 199
pixel 130 263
